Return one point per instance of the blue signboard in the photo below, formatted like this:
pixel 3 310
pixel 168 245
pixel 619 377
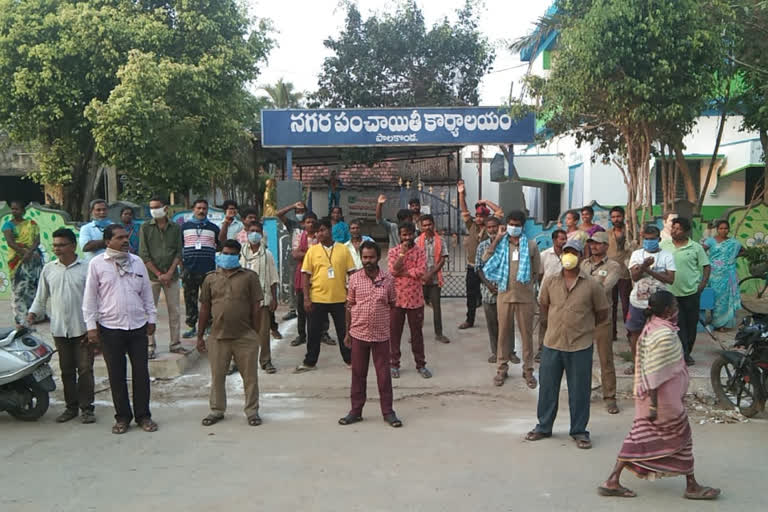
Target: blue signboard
pixel 451 126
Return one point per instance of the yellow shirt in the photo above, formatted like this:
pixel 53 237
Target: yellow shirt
pixel 318 261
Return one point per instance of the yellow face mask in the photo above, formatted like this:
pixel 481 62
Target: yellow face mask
pixel 569 261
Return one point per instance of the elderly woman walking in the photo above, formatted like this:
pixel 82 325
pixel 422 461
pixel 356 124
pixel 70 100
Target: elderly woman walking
pixel 660 442
pixel 723 252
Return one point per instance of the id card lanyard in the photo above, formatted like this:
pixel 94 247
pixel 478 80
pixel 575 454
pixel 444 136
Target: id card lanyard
pixel 331 273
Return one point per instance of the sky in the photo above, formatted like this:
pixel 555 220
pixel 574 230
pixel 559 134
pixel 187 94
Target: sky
pixel 302 25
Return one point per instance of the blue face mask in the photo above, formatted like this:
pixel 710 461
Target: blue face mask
pixel 254 237
pixel 515 231
pixel 228 261
pixel 102 223
pixel 651 245
pixel 299 217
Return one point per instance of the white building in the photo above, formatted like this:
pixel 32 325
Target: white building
pixel 558 175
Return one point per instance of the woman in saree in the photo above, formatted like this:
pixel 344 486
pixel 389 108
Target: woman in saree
pixel 660 443
pixel 24 260
pixel 723 252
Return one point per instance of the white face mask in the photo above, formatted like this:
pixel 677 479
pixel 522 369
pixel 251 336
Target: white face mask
pixel 157 213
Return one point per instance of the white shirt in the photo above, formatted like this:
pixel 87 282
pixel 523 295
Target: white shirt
pixel 64 286
pixel 263 264
pixel 647 285
pixel 550 262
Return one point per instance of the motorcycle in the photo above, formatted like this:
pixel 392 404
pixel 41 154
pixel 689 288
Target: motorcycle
pixel 26 378
pixel 740 377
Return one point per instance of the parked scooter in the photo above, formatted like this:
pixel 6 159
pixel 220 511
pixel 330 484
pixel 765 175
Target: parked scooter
pixel 740 377
pixel 26 378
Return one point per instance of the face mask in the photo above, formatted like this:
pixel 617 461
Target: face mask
pixel 102 223
pixel 514 231
pixel 254 237
pixel 228 261
pixel 115 254
pixel 157 213
pixel 569 261
pixel 651 245
pixel 299 217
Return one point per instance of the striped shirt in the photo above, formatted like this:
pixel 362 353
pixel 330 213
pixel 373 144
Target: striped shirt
pixel 200 243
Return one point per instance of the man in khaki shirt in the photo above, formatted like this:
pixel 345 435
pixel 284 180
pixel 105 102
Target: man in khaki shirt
pixel 476 233
pixel 516 301
pixel 606 272
pixel 233 296
pixel 571 303
pixel 619 250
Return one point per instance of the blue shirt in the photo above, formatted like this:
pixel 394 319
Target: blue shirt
pixel 90 232
pixel 200 243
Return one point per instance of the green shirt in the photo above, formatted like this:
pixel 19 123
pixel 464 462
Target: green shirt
pixel 689 260
pixel 160 247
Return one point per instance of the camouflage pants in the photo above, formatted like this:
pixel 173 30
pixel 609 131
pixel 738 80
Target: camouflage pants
pixel 191 283
pixel 24 287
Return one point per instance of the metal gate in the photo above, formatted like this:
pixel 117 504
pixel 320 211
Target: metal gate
pixel 441 201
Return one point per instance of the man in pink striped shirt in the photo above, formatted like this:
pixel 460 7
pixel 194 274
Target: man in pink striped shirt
pixel 120 313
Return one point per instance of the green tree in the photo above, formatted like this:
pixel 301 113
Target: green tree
pixel 282 95
pixel 750 57
pixel 393 60
pixel 628 73
pixel 88 84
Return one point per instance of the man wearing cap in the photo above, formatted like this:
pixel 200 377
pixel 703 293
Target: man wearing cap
pixel 571 304
pixel 476 233
pixel 606 272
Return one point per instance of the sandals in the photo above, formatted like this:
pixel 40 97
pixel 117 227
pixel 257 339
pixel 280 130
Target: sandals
pixel 269 367
pixel 704 493
pixel 151 352
pixel 148 425
pixel 424 372
pixel 303 368
pixel 350 419
pixel 583 444
pixel 530 380
pixel 629 370
pixel 395 373
pixel 611 406
pixel 534 435
pixel 178 348
pixel 254 420
pixel 499 379
pixel 618 492
pixel 393 421
pixel 120 427
pixel 513 359
pixel 88 417
pixel 211 419
pixel 276 334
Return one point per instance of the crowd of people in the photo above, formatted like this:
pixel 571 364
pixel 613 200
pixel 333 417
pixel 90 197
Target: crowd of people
pixel 107 301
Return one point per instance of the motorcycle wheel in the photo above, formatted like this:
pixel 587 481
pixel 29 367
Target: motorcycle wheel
pixel 731 389
pixel 35 407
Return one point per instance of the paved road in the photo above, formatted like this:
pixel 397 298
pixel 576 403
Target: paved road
pixel 461 448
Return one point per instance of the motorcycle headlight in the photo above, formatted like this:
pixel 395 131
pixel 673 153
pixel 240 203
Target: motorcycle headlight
pixel 25 355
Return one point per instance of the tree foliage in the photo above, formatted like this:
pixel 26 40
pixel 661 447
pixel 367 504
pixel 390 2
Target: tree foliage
pixel 393 60
pixel 629 73
pixel 153 88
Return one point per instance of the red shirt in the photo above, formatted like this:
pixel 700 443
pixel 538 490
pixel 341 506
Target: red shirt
pixel 408 291
pixel 369 301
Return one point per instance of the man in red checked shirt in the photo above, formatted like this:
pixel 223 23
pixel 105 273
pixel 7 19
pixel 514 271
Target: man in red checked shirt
pixel 408 264
pixel 370 297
